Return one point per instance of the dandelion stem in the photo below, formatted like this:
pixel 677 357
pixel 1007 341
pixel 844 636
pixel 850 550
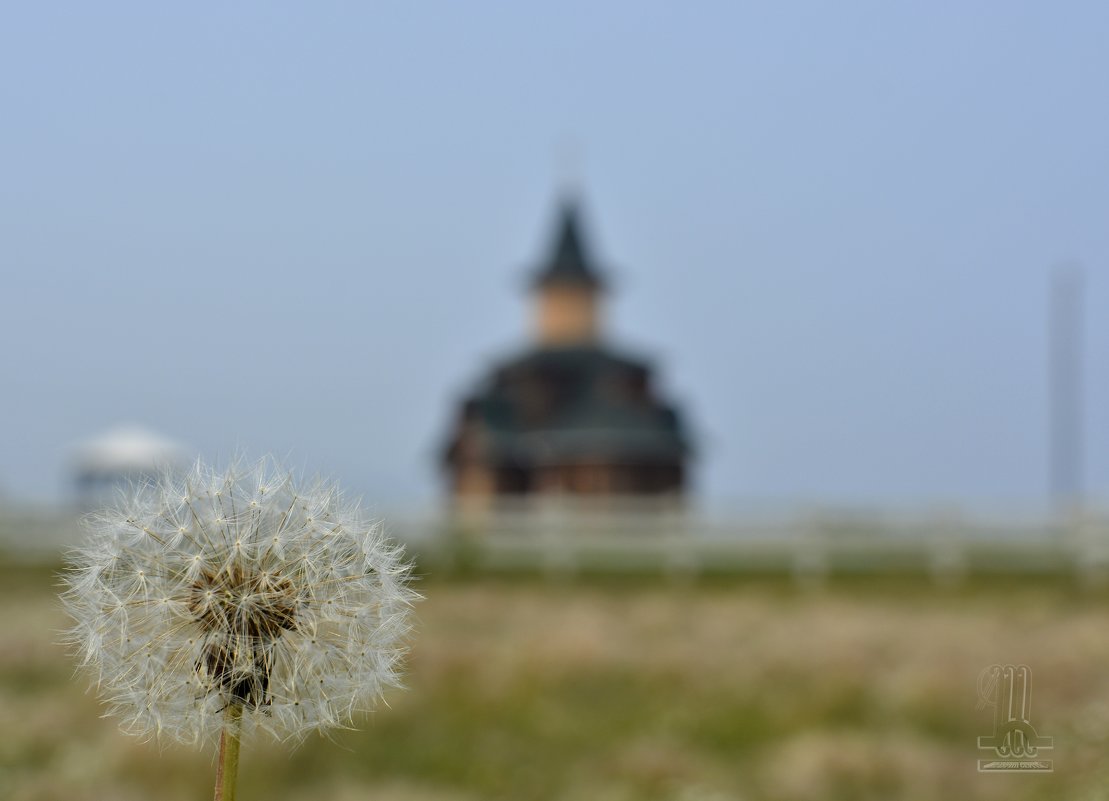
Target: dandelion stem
pixel 227 771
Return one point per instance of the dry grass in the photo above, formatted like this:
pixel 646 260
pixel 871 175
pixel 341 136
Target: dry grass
pixel 629 690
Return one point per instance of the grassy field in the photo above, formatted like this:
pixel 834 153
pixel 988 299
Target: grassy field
pixel 613 690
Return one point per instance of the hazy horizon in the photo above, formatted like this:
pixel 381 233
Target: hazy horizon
pixel 305 230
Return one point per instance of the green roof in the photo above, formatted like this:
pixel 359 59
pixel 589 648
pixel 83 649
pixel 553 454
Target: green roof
pixel 553 405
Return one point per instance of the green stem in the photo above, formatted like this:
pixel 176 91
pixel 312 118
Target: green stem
pixel 227 771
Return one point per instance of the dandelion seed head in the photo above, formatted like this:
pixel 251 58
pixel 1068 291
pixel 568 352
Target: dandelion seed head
pixel 223 588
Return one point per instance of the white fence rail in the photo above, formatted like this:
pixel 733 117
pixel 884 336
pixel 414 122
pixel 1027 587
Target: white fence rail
pixel 685 542
pixel 559 540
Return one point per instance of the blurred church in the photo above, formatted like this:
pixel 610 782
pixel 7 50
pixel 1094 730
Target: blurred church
pixel 569 415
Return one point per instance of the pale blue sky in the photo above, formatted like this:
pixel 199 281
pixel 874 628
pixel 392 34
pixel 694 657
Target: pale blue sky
pixel 303 227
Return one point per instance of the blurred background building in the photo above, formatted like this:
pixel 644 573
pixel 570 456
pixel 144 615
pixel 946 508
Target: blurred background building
pixel 570 414
pixel 123 454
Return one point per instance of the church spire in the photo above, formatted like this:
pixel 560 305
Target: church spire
pixel 567 287
pixel 569 262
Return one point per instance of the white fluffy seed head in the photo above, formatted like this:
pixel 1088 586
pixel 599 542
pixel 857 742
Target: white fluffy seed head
pixel 237 587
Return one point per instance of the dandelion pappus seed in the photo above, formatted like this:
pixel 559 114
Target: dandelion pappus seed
pixel 177 630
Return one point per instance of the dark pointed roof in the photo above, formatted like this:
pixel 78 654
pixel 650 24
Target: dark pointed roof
pixel 569 262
